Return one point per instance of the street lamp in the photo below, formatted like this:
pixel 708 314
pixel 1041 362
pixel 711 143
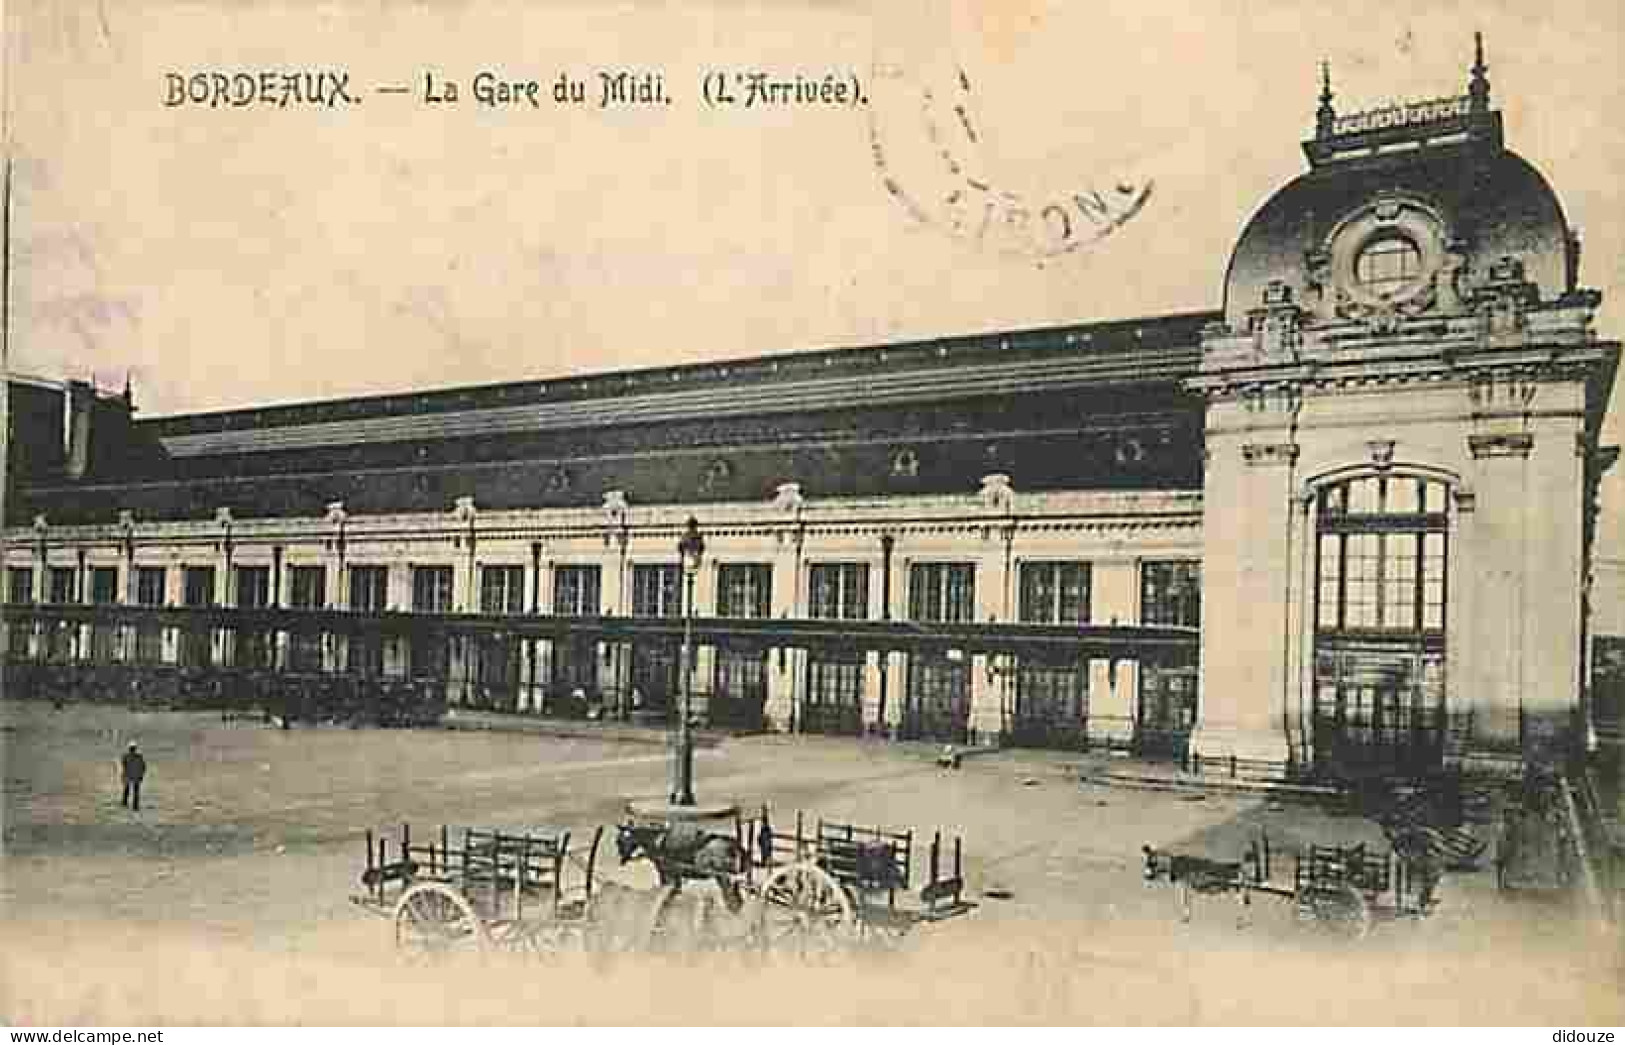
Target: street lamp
pixel 691 547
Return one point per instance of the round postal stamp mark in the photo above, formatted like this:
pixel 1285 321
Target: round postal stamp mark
pixel 929 151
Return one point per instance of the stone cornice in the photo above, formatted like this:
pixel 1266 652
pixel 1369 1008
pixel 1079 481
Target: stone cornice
pixel 1027 511
pixel 1538 363
pixel 1563 324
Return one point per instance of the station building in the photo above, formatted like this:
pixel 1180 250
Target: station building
pixel 1348 518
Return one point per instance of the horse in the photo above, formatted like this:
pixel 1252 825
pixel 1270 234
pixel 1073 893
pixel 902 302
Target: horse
pixel 1198 874
pixel 683 852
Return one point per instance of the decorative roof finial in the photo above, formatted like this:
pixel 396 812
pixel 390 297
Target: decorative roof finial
pixel 1325 116
pixel 1479 89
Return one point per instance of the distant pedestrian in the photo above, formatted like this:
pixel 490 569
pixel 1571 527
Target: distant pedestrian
pixel 135 769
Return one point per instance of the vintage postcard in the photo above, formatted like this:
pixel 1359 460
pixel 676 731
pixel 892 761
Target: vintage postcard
pixel 793 512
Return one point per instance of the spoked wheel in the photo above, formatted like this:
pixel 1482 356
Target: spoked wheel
pixel 433 921
pixel 1341 910
pixel 806 912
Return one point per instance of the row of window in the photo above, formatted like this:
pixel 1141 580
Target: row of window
pixel 1050 592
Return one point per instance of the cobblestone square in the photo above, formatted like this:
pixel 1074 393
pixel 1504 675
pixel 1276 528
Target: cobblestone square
pixel 250 841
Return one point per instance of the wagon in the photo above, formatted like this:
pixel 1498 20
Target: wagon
pixel 483 890
pixel 815 891
pixel 1342 888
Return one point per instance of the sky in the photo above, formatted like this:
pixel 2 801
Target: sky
pixel 234 256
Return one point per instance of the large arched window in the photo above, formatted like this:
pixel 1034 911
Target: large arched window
pixel 1382 586
pixel 1382 555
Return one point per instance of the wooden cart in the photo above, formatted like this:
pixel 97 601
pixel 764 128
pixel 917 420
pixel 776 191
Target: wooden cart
pixel 1339 888
pixel 818 891
pixel 481 890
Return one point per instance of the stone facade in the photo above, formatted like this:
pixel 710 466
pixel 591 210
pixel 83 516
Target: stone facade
pixel 1370 479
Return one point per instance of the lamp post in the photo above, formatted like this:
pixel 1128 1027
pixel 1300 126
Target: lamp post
pixel 691 547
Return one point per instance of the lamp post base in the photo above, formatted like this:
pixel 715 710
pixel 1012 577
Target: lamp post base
pixel 668 811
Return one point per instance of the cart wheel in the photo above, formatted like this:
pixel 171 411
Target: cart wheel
pixel 1342 910
pixel 433 921
pixel 805 911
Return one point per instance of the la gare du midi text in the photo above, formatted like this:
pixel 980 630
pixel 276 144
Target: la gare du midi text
pixel 619 88
pixel 329 88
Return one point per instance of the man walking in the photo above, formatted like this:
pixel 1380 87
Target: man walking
pixel 135 768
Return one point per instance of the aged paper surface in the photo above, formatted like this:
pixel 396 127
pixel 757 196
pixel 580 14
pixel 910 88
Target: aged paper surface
pixel 236 204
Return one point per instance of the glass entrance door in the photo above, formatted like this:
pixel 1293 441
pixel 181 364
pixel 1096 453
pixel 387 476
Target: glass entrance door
pixel 938 705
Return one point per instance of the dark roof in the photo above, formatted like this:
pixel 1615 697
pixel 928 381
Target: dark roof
pixel 1494 199
pixel 705 384
pixel 1075 407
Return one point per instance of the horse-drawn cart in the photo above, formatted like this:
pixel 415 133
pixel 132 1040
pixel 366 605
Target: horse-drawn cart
pixel 487 890
pixel 1340 888
pixel 725 882
pixel 807 892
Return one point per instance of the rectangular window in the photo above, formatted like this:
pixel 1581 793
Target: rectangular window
pixel 364 654
pixel 1055 592
pixel 149 591
pixel 1433 551
pixel 253 587
pixel 307 587
pixel 20 585
pixel 64 584
pixel 1361 552
pixel 833 678
pixel 1399 581
pixel 1051 696
pixel 104 585
pixel 1364 497
pixel 744 590
pixel 196 647
pixel 430 656
pixel 369 588
pixel 1171 593
pixel 251 648
pixel 655 591
pixel 431 589
pixel 1331 579
pixel 834 701
pixel 502 589
pixel 150 582
pixel 741 675
pixel 942 592
pixel 307 590
pixel 575 591
pixel 103 592
pixel 199 586
pixel 838 591
pixel 575 667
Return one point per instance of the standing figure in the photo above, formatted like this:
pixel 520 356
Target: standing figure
pixel 135 768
